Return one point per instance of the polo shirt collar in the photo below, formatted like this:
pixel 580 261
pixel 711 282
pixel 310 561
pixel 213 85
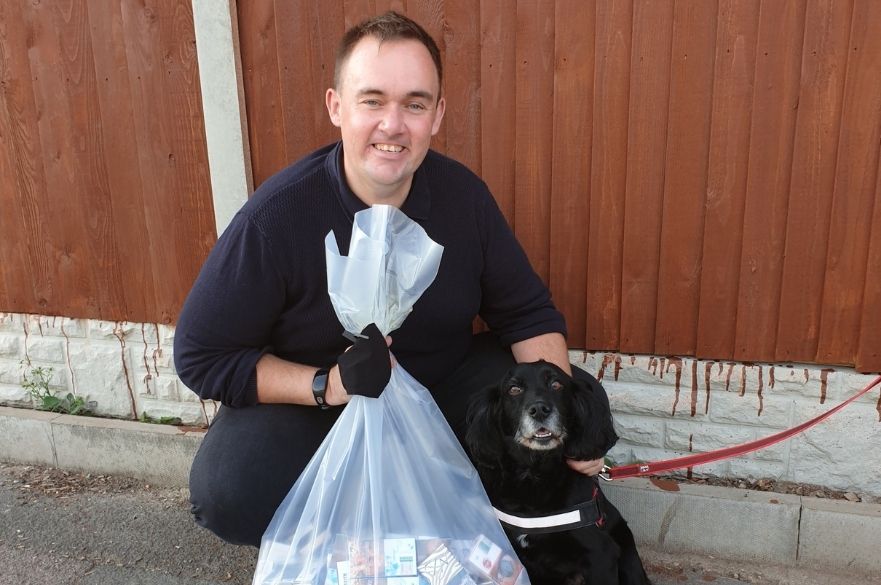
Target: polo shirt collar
pixel 417 205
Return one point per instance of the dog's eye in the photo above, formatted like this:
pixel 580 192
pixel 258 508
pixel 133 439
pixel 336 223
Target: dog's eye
pixel 556 385
pixel 515 390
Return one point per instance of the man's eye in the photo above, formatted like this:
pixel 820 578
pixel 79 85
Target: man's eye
pixel 515 390
pixel 371 103
pixel 556 385
pixel 416 107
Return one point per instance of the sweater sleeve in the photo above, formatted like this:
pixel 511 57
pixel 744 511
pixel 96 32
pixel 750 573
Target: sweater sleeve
pixel 226 322
pixel 515 303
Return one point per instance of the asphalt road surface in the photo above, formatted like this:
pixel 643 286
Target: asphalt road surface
pixel 64 528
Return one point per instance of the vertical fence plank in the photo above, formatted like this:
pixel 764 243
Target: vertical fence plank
pixel 854 189
pixel 608 173
pixel 27 239
pixel 813 175
pixel 727 174
pixel 121 151
pixel 534 135
pixel 262 86
pixel 498 21
pixel 774 107
pixel 646 147
pixel 64 138
pixel 868 357
pixel 685 184
pixel 461 35
pixel 570 182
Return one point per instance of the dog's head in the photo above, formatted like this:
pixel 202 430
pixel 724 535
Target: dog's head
pixel 537 408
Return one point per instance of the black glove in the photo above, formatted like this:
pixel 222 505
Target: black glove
pixel 366 368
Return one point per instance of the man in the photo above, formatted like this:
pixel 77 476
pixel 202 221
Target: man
pixel 258 332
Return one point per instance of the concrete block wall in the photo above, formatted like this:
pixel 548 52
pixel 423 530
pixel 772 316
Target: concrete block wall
pixel 663 407
pixel 125 368
pixel 670 407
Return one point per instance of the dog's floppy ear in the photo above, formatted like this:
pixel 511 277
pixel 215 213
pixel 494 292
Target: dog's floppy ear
pixel 483 435
pixel 594 433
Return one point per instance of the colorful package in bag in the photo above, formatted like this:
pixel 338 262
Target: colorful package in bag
pixel 390 497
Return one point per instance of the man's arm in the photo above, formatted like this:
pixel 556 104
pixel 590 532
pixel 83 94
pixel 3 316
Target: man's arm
pixel 550 347
pixel 281 381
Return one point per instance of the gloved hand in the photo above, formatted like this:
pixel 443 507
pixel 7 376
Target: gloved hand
pixel 366 367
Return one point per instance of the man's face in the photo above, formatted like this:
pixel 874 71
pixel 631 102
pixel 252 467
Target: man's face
pixel 387 109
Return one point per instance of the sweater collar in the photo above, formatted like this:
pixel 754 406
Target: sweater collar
pixel 417 205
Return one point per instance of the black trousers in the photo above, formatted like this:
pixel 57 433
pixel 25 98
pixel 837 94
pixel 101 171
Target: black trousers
pixel 251 457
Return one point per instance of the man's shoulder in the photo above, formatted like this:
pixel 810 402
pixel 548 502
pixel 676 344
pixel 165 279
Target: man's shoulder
pixel 443 167
pixel 290 178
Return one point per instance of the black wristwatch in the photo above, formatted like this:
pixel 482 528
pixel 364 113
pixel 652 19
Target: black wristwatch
pixel 319 387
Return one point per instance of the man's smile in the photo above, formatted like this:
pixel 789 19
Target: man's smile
pixel 388 147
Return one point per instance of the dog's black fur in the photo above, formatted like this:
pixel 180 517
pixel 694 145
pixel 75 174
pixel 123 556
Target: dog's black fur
pixel 519 435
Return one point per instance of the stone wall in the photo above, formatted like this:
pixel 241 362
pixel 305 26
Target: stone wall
pixel 663 407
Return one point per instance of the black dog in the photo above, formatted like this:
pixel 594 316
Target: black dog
pixel 519 435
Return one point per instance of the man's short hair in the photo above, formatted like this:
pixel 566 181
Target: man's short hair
pixel 390 26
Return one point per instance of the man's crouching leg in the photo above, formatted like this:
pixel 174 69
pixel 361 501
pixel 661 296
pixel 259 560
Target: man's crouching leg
pixel 248 462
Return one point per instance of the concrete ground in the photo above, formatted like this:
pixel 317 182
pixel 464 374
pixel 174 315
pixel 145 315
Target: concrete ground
pixel 123 518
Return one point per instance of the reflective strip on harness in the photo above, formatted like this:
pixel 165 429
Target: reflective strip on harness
pixel 555 520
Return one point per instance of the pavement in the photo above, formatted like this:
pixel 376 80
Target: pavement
pixel 88 501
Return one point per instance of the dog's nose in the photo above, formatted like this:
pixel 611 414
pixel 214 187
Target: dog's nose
pixel 539 410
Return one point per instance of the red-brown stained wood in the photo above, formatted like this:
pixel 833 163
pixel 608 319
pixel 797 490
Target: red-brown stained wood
pixel 646 147
pixel 854 189
pixel 818 129
pixel 534 134
pixel 498 21
pixel 25 248
pixel 685 177
pixel 868 356
pixel 727 171
pixel 461 39
pixel 774 110
pixel 608 173
pixel 570 182
pixel 262 88
pixel 120 150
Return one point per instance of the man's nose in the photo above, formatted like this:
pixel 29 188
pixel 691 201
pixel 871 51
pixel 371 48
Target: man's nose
pixel 392 120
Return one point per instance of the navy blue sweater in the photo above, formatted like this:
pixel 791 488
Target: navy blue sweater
pixel 263 288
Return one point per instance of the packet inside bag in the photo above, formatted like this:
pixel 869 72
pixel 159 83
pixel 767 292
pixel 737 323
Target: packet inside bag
pixel 389 498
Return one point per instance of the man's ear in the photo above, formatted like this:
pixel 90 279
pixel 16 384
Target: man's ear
pixel 438 115
pixel 332 101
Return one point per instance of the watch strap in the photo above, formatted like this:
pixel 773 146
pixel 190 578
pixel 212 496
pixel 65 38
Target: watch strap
pixel 319 388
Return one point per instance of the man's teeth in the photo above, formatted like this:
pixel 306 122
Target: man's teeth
pixel 389 147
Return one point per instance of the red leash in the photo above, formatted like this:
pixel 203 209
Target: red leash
pixel 637 469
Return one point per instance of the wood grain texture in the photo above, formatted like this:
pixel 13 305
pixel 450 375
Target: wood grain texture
pixel 815 157
pixel 774 112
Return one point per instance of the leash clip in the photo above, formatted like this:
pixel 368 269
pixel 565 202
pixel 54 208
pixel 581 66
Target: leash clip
pixel 604 474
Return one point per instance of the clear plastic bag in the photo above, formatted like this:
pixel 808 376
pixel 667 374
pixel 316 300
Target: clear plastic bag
pixel 390 496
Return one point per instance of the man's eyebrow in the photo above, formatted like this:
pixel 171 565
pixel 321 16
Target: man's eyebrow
pixel 426 95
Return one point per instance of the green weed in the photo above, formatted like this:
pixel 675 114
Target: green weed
pixel 36 382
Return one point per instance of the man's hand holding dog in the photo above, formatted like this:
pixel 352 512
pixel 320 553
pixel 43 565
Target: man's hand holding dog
pixel 591 467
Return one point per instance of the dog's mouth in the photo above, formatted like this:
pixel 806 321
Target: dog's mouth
pixel 543 434
pixel 540 438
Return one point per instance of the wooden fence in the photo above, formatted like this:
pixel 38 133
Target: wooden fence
pixel 691 178
pixel 697 177
pixel 105 200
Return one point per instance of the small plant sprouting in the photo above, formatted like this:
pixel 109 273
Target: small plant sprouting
pixel 162 420
pixel 37 384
